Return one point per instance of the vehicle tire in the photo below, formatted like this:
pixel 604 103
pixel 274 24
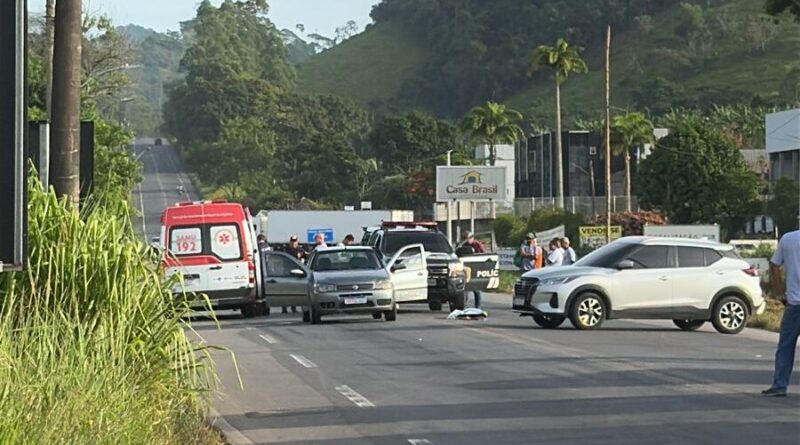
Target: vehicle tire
pixel 458 302
pixel 316 317
pixel 435 306
pixel 263 309
pixel 250 310
pixel 391 315
pixel 587 312
pixel 377 315
pixel 730 315
pixel 548 321
pixel 306 316
pixel 689 325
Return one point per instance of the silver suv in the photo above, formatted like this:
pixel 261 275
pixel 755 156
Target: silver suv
pixel 687 281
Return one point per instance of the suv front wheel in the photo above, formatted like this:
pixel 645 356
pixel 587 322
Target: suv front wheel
pixel 548 321
pixel 587 312
pixel 689 325
pixel 730 315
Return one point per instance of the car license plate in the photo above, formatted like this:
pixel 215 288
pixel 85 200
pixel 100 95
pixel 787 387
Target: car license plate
pixel 519 301
pixel 355 300
pixel 431 281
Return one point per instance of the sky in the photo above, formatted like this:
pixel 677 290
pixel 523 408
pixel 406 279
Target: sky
pixel 320 16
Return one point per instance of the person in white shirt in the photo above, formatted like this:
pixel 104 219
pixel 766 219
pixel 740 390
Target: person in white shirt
pixel 319 241
pixel 570 257
pixel 556 255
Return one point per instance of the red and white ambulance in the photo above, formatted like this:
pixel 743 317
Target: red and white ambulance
pixel 213 246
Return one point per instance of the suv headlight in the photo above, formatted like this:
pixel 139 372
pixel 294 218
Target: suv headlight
pixel 455 268
pixel 383 285
pixel 324 288
pixel 557 281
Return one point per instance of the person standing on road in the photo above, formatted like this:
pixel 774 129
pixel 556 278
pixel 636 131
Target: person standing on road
pixel 477 247
pixel 570 257
pixel 531 254
pixel 556 255
pixel 787 256
pixel 295 251
pixel 348 240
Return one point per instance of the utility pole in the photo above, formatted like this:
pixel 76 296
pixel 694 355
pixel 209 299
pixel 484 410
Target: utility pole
pixel 65 133
pixel 449 212
pixel 49 26
pixel 608 136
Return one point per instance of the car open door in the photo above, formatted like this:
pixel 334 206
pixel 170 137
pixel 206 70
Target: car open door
pixel 482 271
pixel 286 281
pixel 409 273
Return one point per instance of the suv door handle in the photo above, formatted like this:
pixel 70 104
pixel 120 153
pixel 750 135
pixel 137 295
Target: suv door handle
pixel 215 268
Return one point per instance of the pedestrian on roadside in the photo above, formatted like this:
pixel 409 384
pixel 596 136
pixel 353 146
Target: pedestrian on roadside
pixel 531 253
pixel 348 240
pixel 555 257
pixel 787 256
pixel 570 257
pixel 263 248
pixel 297 252
pixel 319 241
pixel 477 247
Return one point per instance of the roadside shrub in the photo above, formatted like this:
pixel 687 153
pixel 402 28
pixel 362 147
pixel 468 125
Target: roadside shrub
pixel 505 228
pixel 633 222
pixel 544 219
pixel 92 349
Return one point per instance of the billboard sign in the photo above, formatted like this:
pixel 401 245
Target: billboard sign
pixel 706 232
pixel 470 183
pixel 595 236
pixel 12 135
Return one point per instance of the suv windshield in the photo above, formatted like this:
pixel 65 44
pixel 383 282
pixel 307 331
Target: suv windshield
pixel 608 256
pixel 338 260
pixel 432 241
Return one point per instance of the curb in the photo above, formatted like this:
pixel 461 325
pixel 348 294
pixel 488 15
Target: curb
pixel 231 434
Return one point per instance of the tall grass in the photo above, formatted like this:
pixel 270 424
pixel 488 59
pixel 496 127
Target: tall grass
pixel 92 349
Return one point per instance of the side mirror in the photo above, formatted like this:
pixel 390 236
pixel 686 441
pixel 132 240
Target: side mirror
pixel 626 265
pixel 397 266
pixel 297 273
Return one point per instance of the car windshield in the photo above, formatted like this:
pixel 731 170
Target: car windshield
pixel 432 241
pixel 339 260
pixel 608 256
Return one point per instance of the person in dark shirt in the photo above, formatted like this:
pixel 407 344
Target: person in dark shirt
pixel 477 247
pixel 297 252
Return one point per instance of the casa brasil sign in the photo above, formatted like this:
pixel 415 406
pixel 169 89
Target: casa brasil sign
pixel 470 183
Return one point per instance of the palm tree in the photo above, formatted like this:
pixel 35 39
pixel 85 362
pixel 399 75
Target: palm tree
pixel 563 59
pixel 493 124
pixel 632 129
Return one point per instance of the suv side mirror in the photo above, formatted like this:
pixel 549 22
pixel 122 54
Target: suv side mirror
pixel 626 265
pixel 297 273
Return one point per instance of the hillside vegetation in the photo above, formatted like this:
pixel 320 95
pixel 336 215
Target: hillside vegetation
pixel 450 55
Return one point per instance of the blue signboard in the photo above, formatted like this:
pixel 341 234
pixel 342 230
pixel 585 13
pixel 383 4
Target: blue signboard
pixel 311 233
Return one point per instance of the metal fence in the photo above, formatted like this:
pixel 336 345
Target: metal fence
pixel 587 206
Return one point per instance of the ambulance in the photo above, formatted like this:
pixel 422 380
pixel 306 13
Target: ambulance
pixel 212 246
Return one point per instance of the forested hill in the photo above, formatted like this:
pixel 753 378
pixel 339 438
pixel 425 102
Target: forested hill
pixel 448 55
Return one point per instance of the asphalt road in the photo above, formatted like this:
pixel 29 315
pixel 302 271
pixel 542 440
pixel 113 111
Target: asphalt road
pixel 159 189
pixel 426 380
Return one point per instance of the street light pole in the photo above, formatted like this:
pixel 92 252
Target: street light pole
pixel 449 213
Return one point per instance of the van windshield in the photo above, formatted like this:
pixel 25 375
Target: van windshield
pixel 432 241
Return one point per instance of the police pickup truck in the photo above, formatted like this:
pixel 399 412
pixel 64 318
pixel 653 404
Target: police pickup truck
pixel 449 276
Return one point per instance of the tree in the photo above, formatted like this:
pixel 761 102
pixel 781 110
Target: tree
pixel 696 175
pixel 493 124
pixel 563 59
pixel 632 129
pixel 783 206
pixel 411 141
pixel 65 133
pixel 775 7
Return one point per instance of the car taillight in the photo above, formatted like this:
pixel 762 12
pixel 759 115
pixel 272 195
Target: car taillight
pixel 752 271
pixel 252 269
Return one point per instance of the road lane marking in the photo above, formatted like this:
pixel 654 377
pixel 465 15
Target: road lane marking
pixel 353 396
pixel 270 340
pixel 420 442
pixel 303 361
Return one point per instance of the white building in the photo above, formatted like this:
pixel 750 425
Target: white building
pixel 783 144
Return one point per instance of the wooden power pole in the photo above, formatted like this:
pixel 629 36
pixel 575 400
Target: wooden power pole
pixel 608 135
pixel 66 109
pixel 49 27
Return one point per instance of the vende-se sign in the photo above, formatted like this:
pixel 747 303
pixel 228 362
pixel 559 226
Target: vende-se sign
pixel 470 183
pixel 708 232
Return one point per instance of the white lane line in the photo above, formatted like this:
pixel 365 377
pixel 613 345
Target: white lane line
pixel 420 442
pixel 351 395
pixel 270 340
pixel 303 361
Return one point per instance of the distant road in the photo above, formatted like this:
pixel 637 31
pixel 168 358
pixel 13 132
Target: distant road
pixel 159 189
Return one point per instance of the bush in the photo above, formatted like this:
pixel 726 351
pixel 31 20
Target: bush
pixel 545 219
pixel 633 222
pixel 92 349
pixel 506 228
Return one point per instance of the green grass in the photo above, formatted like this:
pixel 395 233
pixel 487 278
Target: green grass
pixel 92 348
pixel 770 320
pixel 507 281
pixel 370 68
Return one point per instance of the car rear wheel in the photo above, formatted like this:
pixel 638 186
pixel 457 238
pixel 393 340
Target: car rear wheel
pixel 587 312
pixel 689 325
pixel 435 306
pixel 730 315
pixel 250 310
pixel 377 315
pixel 390 315
pixel 548 321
